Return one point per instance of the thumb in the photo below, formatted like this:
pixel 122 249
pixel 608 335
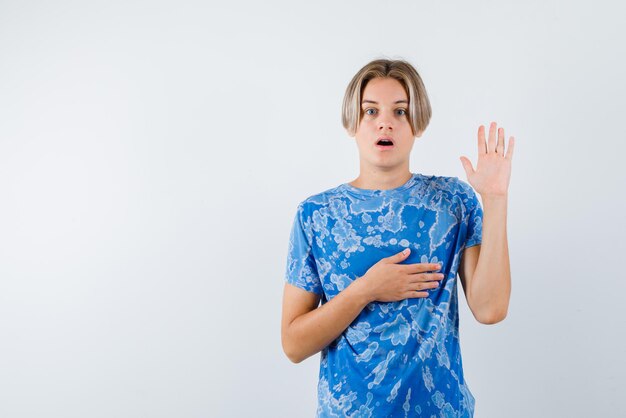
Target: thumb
pixel 402 255
pixel 467 165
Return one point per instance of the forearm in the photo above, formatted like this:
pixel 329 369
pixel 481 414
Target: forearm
pixel 308 334
pixel 491 284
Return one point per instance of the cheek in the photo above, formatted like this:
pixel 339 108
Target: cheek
pixel 363 126
pixel 368 124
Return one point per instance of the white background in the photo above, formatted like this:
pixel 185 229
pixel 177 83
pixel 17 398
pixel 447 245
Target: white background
pixel 153 153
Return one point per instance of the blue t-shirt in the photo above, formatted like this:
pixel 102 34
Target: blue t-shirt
pixel 396 359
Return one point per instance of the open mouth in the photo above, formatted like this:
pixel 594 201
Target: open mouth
pixel 384 143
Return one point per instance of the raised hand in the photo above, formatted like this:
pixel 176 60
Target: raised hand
pixel 493 169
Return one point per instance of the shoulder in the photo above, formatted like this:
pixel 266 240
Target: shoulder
pixel 453 186
pixel 453 191
pixel 319 204
pixel 323 198
pixel 450 184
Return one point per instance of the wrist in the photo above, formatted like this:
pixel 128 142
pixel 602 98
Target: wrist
pixel 494 197
pixel 360 291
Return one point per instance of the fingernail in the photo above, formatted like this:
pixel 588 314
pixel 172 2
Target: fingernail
pixel 405 251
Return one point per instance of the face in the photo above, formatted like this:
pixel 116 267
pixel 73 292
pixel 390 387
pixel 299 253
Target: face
pixel 384 107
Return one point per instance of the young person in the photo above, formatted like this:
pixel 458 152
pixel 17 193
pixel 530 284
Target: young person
pixel 382 254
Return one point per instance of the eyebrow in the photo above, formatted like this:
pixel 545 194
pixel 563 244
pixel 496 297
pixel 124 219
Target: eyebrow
pixel 397 101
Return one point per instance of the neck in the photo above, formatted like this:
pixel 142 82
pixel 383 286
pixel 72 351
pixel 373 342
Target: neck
pixel 377 179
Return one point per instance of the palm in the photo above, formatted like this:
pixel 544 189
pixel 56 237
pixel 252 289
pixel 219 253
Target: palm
pixel 493 169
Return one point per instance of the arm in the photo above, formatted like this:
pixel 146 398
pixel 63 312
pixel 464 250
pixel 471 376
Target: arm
pixel 307 329
pixel 485 270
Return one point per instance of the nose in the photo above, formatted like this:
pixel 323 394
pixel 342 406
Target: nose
pixel 385 122
pixel 384 125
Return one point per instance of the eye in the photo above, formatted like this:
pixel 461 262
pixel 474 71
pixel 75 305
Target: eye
pixel 403 112
pixel 367 110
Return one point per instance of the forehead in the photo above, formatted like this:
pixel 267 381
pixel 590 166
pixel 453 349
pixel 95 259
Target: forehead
pixel 384 90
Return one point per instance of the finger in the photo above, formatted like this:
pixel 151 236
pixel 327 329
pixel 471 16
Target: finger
pixel 425 277
pixel 421 267
pixel 510 148
pixel 467 166
pixel 482 144
pixel 500 146
pixel 401 256
pixel 491 145
pixel 416 287
pixel 415 294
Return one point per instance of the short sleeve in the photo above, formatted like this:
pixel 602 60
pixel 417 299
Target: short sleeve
pixel 474 221
pixel 301 269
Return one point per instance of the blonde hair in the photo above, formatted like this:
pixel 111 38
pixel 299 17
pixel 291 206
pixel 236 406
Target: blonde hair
pixel 419 111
